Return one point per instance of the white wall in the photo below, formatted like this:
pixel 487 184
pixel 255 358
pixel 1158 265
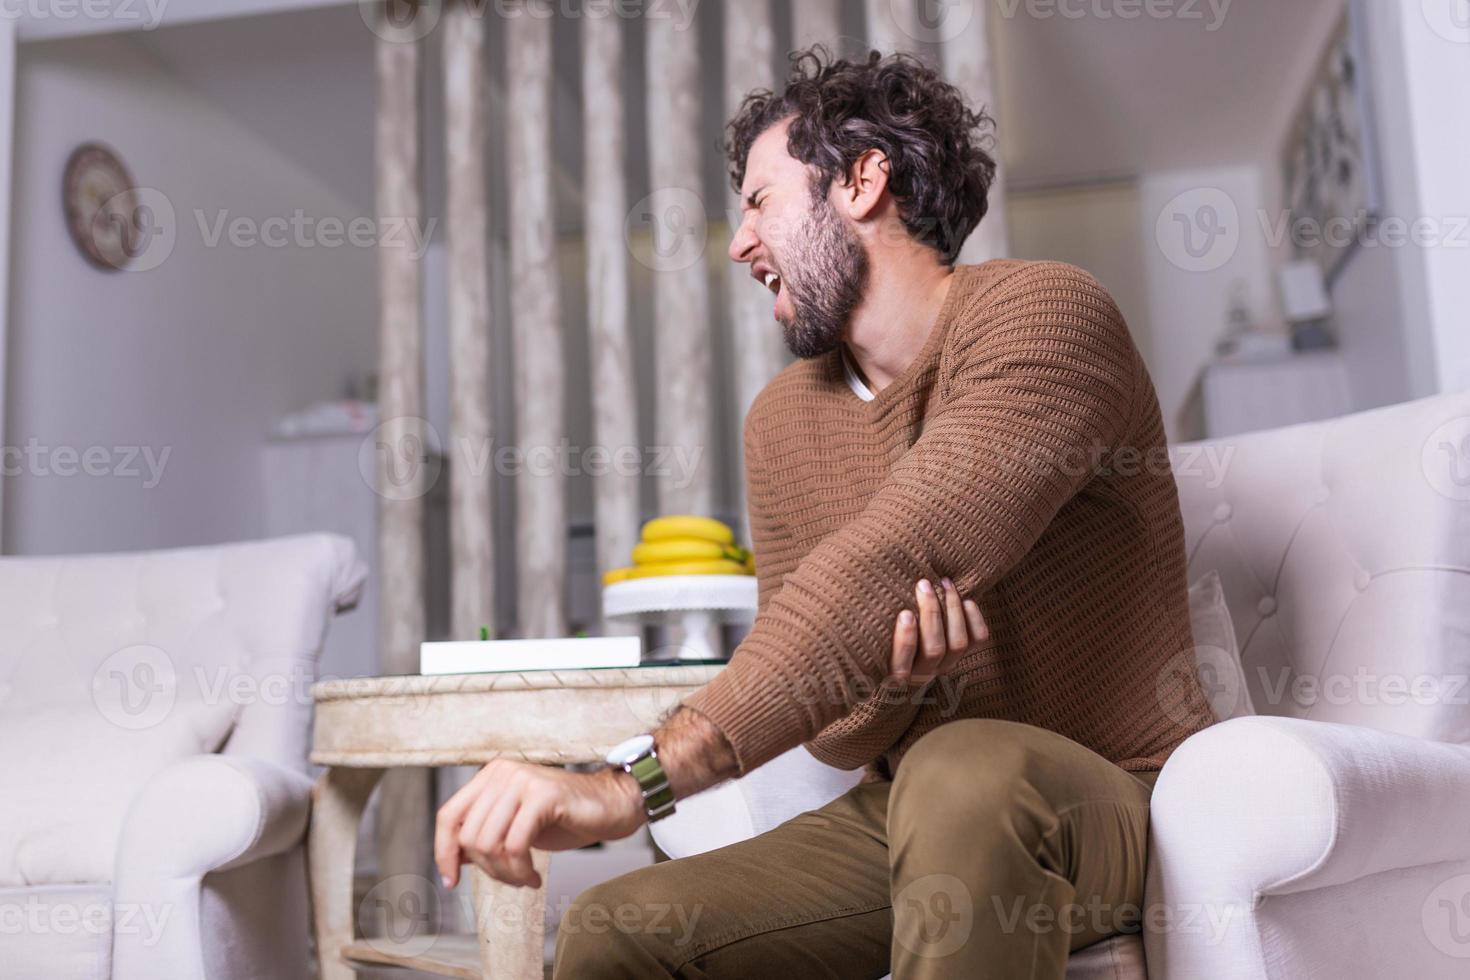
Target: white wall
pixel 1403 313
pixel 1201 235
pixel 1369 317
pixel 1371 308
pixel 1366 290
pixel 1400 309
pixel 197 357
pixel 43 21
pixel 1097 228
pixel 1420 62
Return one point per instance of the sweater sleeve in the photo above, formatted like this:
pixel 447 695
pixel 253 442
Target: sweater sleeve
pixel 1040 376
pixel 875 722
pixel 768 539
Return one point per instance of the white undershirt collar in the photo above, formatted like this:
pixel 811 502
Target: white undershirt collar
pixel 853 380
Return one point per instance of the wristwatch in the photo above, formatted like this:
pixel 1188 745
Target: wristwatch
pixel 637 758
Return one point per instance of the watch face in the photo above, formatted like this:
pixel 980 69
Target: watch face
pixel 625 752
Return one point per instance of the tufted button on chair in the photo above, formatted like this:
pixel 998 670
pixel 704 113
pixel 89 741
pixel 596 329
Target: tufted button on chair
pixel 154 723
pixel 1329 835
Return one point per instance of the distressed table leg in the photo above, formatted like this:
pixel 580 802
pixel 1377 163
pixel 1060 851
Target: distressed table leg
pixel 337 801
pixel 511 923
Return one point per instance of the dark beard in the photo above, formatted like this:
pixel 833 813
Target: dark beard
pixel 826 277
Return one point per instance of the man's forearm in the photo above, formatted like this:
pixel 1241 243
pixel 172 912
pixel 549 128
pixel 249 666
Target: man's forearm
pixel 693 752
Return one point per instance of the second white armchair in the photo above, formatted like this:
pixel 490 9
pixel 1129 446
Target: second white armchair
pixel 155 821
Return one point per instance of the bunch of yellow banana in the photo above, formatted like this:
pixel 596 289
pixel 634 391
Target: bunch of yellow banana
pixel 684 544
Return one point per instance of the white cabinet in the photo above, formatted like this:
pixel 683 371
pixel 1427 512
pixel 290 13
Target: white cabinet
pixel 313 484
pixel 1252 395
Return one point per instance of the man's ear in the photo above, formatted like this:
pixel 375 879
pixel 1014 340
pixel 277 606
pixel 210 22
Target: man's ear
pixel 867 181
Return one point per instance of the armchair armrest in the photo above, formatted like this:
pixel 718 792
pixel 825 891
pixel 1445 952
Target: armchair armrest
pixel 1260 824
pixel 211 813
pixel 207 813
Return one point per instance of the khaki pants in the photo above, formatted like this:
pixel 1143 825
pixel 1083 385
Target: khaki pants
pixel 997 849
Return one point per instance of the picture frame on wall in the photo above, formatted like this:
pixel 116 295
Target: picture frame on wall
pixel 1330 164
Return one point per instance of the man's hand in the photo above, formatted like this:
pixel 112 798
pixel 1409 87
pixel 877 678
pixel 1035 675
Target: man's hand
pixel 511 807
pixel 929 644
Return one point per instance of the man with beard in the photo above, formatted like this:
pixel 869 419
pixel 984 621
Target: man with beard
pixel 974 429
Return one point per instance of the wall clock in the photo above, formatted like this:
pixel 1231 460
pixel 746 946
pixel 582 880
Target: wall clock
pixel 101 206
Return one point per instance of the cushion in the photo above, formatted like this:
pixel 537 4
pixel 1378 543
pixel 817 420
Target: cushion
pixel 71 771
pixel 1342 546
pixel 1216 653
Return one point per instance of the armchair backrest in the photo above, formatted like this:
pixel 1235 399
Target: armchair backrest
pixel 133 633
pixel 1344 551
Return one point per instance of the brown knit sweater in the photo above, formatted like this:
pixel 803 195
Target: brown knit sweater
pixel 1021 454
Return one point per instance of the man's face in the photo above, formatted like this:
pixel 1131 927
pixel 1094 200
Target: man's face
pixel 799 247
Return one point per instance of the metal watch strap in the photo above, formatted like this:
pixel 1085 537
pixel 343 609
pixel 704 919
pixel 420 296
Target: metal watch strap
pixel 658 795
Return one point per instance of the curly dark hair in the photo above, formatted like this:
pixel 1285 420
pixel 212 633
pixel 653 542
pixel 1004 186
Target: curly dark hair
pixel 939 169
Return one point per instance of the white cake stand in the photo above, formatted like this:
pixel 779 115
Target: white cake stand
pixel 695 603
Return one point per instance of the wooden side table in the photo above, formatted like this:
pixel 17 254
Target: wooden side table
pixel 367 725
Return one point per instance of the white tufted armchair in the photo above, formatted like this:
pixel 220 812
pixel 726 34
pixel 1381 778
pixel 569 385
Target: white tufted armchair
pixel 155 717
pixel 1328 836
